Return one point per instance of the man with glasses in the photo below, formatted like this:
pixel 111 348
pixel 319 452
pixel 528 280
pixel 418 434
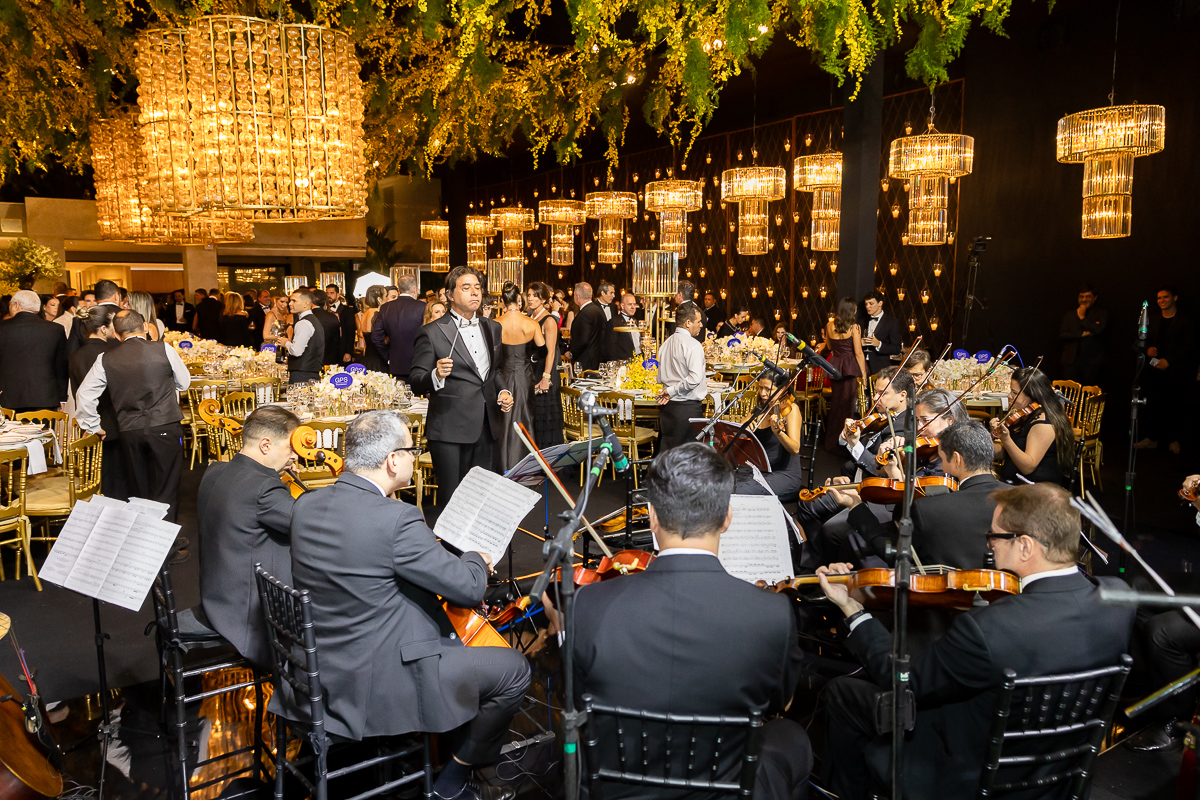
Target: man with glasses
pixel 391 663
pixel 1081 334
pixel 1057 624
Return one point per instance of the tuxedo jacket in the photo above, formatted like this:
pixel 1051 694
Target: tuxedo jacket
pixel 258 319
pixel 588 332
pixel 618 345
pixel 331 330
pixel 395 329
pixel 245 515
pixel 871 442
pixel 459 410
pixel 948 528
pixel 684 637
pixel 33 362
pixel 208 318
pixel 374 572
pixel 349 327
pixel 189 312
pixel 1056 625
pixel 891 341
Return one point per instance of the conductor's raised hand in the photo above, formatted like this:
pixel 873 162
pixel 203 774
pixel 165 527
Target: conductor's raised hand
pixel 444 366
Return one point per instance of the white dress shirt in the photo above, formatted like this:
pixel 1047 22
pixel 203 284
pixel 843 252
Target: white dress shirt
pixel 681 366
pixel 635 335
pixel 872 323
pixel 470 333
pixel 1050 573
pixel 87 413
pixel 685 551
pixel 302 331
pixel 179 313
pixel 607 308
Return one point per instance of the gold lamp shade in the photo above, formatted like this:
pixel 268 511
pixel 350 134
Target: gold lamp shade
pixel 752 188
pixel 822 175
pixel 512 222
pixel 479 230
pixel 929 161
pixel 1106 141
pixel 612 209
pixel 502 270
pixel 655 273
pixel 562 216
pixel 672 200
pixel 437 231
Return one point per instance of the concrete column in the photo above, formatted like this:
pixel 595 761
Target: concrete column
pixel 860 184
pixel 199 268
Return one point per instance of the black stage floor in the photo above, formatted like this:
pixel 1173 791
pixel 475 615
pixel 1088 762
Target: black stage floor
pixel 56 631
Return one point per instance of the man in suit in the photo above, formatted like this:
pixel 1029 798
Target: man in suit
pixel 664 663
pixel 346 320
pixel 606 293
pixel 714 315
pixel 623 345
pixel 391 662
pixel 144 380
pixel 456 363
pixel 258 316
pixel 1057 624
pixel 106 293
pixel 306 348
pixel 394 331
pixel 245 515
pixel 33 358
pixel 882 337
pixel 209 308
pixel 1082 335
pixel 179 314
pixel 948 528
pixel 331 326
pixel 587 330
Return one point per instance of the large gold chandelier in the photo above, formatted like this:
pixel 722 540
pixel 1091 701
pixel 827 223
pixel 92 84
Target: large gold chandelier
pixel 479 229
pixel 822 175
pixel 752 188
pixel 503 270
pixel 672 200
pixel 512 222
pixel 612 209
pixel 247 119
pixel 655 273
pixel 1106 140
pixel 563 216
pixel 930 161
pixel 437 231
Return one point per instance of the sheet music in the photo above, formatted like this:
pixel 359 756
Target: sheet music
pixel 796 530
pixel 71 539
pixel 755 547
pixel 100 551
pixel 484 513
pixel 153 507
pixel 141 556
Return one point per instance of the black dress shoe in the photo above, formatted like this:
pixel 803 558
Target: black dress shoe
pixel 1162 736
pixel 180 557
pixel 477 790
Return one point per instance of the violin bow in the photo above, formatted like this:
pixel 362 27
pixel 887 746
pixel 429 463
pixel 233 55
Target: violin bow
pixel 1001 359
pixel 929 374
pixel 552 476
pixel 903 364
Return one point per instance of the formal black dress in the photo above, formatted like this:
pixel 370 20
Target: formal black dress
pixel 786 477
pixel 235 331
pixel 843 401
pixel 372 359
pixel 547 407
pixel 516 374
pixel 1047 470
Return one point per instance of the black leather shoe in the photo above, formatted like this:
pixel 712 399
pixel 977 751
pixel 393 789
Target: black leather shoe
pixel 180 557
pixel 1162 736
pixel 477 790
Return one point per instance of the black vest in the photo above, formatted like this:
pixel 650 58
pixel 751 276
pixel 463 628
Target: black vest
pixel 80 364
pixel 313 357
pixel 142 385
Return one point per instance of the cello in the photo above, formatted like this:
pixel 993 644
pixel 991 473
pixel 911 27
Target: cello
pixel 25 769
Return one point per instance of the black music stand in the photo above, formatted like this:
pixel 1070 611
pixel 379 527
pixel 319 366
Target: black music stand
pixel 735 441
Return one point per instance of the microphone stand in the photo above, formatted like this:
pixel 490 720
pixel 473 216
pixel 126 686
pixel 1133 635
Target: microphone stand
pixel 705 435
pixel 1135 400
pixel 558 552
pixel 903 705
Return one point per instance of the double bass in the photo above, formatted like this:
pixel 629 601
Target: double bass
pixel 26 772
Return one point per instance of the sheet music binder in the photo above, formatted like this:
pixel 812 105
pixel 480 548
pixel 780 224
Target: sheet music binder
pixel 528 472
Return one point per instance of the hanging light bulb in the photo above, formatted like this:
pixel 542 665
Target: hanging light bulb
pixel 924 295
pixel 812 263
pixel 808 140
pixel 883 184
pixel 778 266
pixel 895 211
pixel 754 292
pixel 823 291
pixel 777 315
pixel 900 292
pixel 804 291
pixel 933 323
pixel 833 265
pixel 912 324
pixel 770 290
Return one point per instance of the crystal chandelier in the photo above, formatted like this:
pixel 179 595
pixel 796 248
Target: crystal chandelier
pixel 512 222
pixel 612 209
pixel 822 175
pixel 1106 140
pixel 248 119
pixel 396 273
pixel 562 216
pixel 752 188
pixel 479 230
pixel 672 200
pixel 437 231
pixel 655 273
pixel 501 270
pixel 930 161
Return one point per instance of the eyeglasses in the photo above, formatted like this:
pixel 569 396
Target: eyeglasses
pixel 415 452
pixel 990 535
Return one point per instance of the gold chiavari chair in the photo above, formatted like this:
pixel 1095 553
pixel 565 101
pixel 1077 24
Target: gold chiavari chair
pixel 53 496
pixel 266 390
pixel 12 513
pixel 422 479
pixel 1088 430
pixel 1071 392
pixel 331 436
pixel 624 424
pixel 200 430
pixel 238 404
pixel 65 429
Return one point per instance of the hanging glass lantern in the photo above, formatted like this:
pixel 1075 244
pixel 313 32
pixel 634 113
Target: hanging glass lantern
pixel 928 161
pixel 512 222
pixel 479 229
pixel 438 233
pixel 822 175
pixel 562 216
pixel 611 209
pixel 672 200
pixel 502 270
pixel 752 188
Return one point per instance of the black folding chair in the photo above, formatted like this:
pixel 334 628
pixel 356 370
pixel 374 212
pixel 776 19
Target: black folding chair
pixel 186 646
pixel 288 614
pixel 1047 731
pixel 689 752
pixel 810 440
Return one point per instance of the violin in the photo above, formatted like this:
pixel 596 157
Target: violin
pixel 870 423
pixel 623 562
pixel 1190 492
pixel 884 491
pixel 783 407
pixel 926 449
pixel 956 589
pixel 1018 418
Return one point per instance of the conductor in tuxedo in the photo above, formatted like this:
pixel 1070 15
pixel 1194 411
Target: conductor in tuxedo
pixel 1057 624
pixel 588 329
pixel 456 363
pixel 395 328
pixel 668 662
pixel 391 662
pixel 245 515
pixel 33 357
pixel 882 336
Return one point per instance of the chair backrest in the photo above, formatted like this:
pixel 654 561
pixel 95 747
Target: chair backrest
pixel 1071 392
pixel 331 436
pixel 572 416
pixel 293 646
pixel 58 422
pixel 82 464
pixel 622 403
pixel 12 483
pixel 239 404
pixel 205 390
pixel 1047 731
pixel 700 753
pixel 810 442
pixel 1091 414
pixel 266 390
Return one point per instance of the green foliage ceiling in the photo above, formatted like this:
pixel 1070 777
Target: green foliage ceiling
pixel 452 79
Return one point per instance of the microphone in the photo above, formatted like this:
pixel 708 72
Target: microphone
pixel 617 455
pixel 587 404
pixel 773 367
pixel 1143 326
pixel 813 356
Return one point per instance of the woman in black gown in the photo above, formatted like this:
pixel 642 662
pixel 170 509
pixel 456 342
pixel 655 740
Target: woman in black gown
pixel 547 402
pixel 780 434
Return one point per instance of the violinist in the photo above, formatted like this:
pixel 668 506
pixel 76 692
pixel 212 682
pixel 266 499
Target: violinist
pixel 1041 446
pixel 893 387
pixel 245 514
pixel 391 661
pixel 710 644
pixel 936 409
pixel 1056 625
pixel 949 528
pixel 778 429
pixel 919 364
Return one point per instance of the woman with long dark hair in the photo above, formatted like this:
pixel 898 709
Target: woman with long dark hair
pixel 843 337
pixel 779 432
pixel 235 323
pixel 372 358
pixel 1042 447
pixel 547 403
pixel 519 336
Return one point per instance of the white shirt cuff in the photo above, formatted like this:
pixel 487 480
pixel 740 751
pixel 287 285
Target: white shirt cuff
pixel 438 383
pixel 857 450
pixel 858 622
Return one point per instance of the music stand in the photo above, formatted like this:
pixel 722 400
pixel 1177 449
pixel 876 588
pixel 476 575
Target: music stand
pixel 731 439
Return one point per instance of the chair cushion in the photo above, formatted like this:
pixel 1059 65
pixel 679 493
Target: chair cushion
pixel 47 495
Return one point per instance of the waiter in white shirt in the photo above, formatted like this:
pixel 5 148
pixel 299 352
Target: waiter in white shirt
pixel 456 363
pixel 306 348
pixel 681 373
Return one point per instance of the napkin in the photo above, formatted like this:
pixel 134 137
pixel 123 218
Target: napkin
pixel 37 456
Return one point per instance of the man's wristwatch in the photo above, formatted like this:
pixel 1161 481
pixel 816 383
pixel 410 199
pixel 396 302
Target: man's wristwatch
pixel 862 612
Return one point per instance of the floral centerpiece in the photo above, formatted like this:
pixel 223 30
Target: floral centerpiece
pixel 739 349
pixel 25 262
pixel 959 374
pixel 638 376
